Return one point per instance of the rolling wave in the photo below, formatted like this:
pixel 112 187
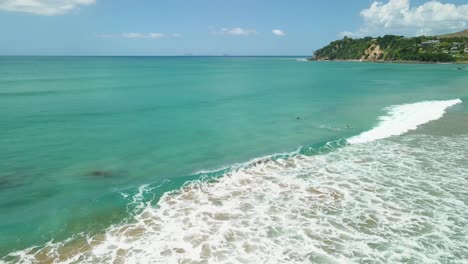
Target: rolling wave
pixel 362 199
pixel 403 118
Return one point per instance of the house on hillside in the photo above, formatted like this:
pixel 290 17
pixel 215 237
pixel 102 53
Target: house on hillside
pixel 454 50
pixel 430 42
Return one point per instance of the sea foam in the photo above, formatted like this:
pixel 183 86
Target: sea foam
pixel 380 202
pixel 403 118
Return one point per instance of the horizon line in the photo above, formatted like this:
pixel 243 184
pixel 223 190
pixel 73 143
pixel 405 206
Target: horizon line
pixel 32 55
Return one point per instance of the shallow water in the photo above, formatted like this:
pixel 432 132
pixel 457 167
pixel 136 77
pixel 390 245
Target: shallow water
pixel 398 200
pixel 90 142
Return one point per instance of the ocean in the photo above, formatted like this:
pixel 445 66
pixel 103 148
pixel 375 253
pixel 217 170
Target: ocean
pixel 232 160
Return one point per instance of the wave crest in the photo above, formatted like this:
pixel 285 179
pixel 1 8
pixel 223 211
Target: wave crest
pixel 403 118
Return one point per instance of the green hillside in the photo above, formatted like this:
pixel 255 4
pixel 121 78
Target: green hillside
pixel 446 48
pixel 463 33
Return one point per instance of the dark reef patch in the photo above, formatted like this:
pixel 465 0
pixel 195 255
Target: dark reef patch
pixel 101 173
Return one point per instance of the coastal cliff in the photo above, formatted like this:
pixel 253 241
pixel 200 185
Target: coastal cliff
pixel 444 48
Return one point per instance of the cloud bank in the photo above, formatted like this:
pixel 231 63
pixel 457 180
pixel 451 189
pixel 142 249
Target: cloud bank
pixel 136 35
pixel 398 17
pixel 133 35
pixel 237 31
pixel 44 7
pixel 278 32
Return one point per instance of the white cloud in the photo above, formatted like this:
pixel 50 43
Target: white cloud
pixel 278 32
pixel 136 35
pixel 399 17
pixel 43 7
pixel 237 31
pixel 143 35
pixel 106 36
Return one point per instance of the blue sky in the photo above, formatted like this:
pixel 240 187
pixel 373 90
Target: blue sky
pixel 209 27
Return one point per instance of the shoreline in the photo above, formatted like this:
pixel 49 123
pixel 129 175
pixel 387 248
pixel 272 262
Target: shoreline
pixel 395 61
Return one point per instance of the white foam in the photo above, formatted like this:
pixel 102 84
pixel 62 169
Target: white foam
pixel 403 118
pixel 380 202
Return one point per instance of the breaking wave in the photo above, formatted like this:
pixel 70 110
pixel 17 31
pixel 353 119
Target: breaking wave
pixel 380 202
pixel 386 201
pixel 403 118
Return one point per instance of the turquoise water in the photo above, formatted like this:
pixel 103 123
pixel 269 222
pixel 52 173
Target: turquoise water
pixel 80 135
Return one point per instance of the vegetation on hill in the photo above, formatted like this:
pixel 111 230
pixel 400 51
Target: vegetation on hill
pixel 397 48
pixel 463 33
